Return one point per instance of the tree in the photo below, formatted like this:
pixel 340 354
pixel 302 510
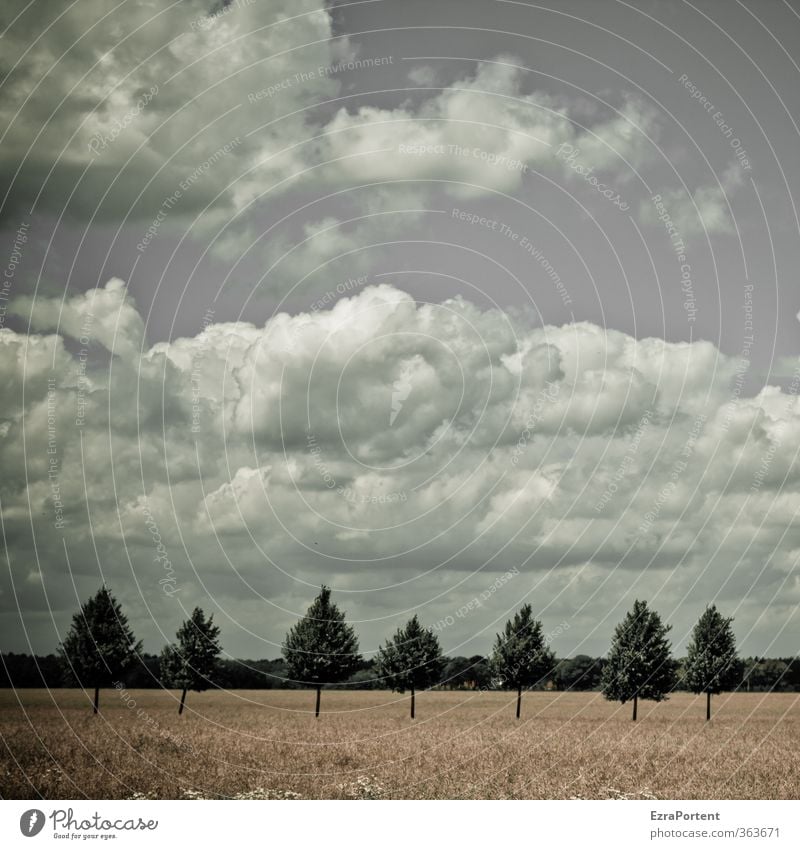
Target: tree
pixel 191 663
pixel 365 678
pixel 481 673
pixel 321 649
pixel 639 665
pixel 411 660
pixel 467 673
pixel 711 663
pixel 521 657
pixel 579 673
pixel 456 672
pixel 100 645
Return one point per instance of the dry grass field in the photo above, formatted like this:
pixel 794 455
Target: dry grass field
pixel 266 744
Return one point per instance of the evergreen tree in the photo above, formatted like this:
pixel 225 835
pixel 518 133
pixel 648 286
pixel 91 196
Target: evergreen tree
pixel 321 649
pixel 639 665
pixel 521 657
pixel 411 660
pixel 100 646
pixel 190 664
pixel 711 663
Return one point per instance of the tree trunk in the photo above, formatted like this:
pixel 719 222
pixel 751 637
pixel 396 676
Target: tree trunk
pixel 96 699
pixel 519 701
pixel 635 706
pixel 183 700
pixel 708 705
pixel 412 703
pixel 316 711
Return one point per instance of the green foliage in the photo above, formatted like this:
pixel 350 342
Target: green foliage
pixel 412 659
pixel 639 663
pixel 579 673
pixel 100 646
pixel 711 664
pixel 252 675
pixel 363 679
pixel 321 648
pixel 23 670
pixel 521 657
pixel 467 673
pixel 770 674
pixel 191 663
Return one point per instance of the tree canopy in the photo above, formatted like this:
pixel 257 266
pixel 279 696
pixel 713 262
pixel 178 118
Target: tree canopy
pixel 411 659
pixel 100 645
pixel 321 648
pixel 191 663
pixel 639 664
pixel 521 657
pixel 711 663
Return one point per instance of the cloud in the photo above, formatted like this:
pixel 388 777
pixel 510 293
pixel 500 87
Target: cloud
pixel 143 96
pixel 706 210
pixel 137 105
pixel 600 466
pixel 480 135
pixel 423 75
pixel 106 316
pixel 178 119
pixel 483 134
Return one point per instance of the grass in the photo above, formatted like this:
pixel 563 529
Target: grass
pixel 463 745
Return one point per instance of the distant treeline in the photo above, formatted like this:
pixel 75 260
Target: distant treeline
pixel 321 651
pixel 757 675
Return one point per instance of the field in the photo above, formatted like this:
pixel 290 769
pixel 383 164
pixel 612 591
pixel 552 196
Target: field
pixel 266 744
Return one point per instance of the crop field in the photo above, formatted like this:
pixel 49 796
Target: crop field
pixel 267 744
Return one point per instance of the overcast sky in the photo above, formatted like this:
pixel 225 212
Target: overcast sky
pixel 450 305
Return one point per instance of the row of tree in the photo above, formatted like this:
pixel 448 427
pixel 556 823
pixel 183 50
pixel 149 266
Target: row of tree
pixel 582 672
pixel 322 650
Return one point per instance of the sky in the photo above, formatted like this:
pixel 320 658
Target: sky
pixel 450 306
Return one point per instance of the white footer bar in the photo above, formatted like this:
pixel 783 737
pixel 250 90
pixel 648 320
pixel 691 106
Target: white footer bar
pixel 401 824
